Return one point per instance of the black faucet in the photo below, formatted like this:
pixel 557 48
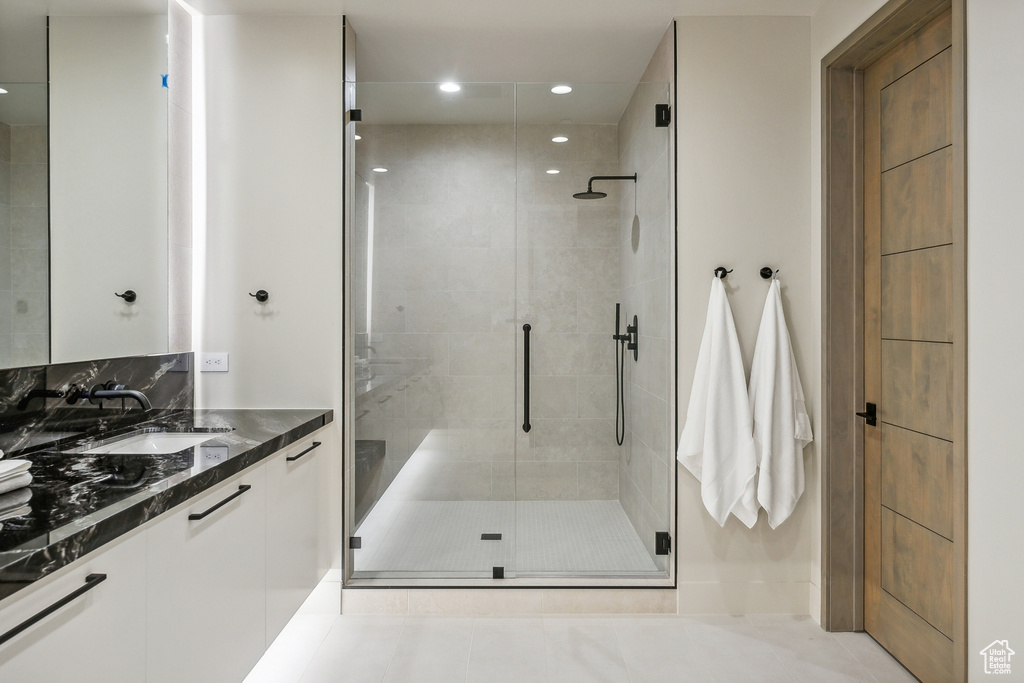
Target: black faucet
pixel 71 391
pixel 112 389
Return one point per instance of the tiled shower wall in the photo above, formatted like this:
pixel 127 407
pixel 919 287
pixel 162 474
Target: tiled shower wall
pixel 568 286
pixel 24 239
pixel 441 350
pixel 647 463
pixel 445 349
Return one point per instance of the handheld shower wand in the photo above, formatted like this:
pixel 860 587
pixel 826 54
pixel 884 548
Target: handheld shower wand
pixel 628 341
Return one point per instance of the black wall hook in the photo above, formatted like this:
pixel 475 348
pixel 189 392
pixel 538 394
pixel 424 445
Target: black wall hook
pixel 767 273
pixel 129 296
pixel 721 272
pixel 261 295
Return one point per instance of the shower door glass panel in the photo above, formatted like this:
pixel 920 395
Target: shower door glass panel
pixel 586 505
pixel 433 311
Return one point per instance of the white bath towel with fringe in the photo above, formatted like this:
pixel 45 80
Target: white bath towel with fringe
pixel 717 445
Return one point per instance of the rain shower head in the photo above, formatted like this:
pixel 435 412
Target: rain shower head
pixel 591 194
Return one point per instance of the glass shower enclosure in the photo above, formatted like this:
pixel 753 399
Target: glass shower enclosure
pixel 505 422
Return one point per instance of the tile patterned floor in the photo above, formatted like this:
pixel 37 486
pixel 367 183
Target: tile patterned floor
pixel 318 646
pixel 576 537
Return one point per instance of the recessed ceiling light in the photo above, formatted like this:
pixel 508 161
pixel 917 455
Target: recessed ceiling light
pixel 2 91
pixel 553 171
pixel 359 137
pixel 380 169
pixel 450 87
pixel 559 138
pixel 561 89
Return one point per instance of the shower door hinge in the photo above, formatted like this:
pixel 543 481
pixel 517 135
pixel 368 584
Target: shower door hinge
pixel 355 542
pixel 355 114
pixel 662 115
pixel 662 543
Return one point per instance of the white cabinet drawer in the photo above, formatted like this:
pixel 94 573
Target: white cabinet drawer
pixel 206 595
pixel 100 635
pixel 296 478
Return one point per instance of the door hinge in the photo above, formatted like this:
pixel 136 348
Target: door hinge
pixel 662 115
pixel 662 543
pixel 355 542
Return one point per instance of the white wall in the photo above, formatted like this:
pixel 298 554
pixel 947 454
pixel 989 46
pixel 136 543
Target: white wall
pixel 108 186
pixel 269 89
pixel 744 200
pixel 273 219
pixel 995 326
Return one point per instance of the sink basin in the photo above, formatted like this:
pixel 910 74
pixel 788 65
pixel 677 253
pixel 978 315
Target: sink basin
pixel 151 443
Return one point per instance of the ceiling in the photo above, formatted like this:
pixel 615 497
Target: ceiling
pixel 434 40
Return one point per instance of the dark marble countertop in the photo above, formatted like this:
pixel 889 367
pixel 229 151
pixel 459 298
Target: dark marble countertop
pixel 80 501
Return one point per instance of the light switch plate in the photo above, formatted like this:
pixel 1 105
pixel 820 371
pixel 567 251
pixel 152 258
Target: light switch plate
pixel 213 362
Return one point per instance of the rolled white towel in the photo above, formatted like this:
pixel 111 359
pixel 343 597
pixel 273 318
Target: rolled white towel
pixel 14 500
pixel 9 468
pixel 20 480
pixel 15 504
pixel 19 512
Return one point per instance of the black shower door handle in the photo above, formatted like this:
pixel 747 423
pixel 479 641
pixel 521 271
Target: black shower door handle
pixel 526 377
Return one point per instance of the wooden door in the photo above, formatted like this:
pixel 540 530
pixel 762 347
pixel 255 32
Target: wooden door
pixel 913 298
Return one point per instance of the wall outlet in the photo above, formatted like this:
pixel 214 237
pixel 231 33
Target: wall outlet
pixel 213 362
pixel 180 363
pixel 211 455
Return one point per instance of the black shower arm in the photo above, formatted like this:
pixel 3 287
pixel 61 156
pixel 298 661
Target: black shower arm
pixel 590 182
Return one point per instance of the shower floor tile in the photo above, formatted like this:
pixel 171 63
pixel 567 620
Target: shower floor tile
pixel 577 537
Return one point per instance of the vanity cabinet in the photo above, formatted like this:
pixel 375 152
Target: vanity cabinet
pixel 296 526
pixel 206 592
pixel 98 635
pixel 197 594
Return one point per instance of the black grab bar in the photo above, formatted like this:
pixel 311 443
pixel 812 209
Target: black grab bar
pixel 526 377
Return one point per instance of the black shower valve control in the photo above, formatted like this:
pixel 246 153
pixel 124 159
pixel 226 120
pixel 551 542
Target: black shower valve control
pixel 633 337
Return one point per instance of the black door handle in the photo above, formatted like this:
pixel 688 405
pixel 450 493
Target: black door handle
pixel 526 377
pixel 91 582
pixel 199 515
pixel 870 415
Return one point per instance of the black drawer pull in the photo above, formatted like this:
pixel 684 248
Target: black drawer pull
pixel 91 582
pixel 199 515
pixel 293 458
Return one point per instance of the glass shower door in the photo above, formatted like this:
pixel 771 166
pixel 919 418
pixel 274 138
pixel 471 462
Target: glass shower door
pixel 433 309
pixel 592 491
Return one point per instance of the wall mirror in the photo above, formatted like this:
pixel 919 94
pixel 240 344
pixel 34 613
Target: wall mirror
pixel 83 185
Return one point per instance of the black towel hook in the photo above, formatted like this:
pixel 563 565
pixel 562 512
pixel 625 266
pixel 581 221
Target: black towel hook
pixel 721 272
pixel 261 296
pixel 767 273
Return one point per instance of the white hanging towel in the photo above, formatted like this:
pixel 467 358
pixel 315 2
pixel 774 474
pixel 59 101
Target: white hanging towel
pixel 781 425
pixel 716 444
